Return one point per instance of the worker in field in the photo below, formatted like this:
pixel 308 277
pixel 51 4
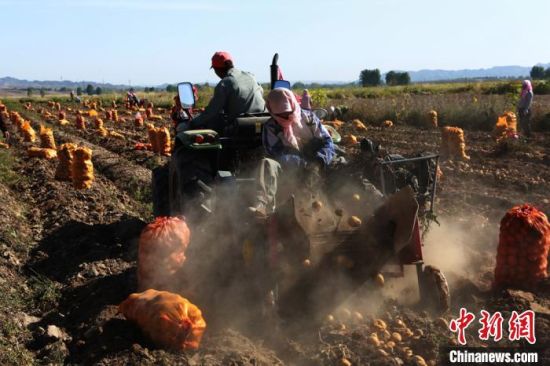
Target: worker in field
pixel 294 140
pixel 524 107
pixel 237 92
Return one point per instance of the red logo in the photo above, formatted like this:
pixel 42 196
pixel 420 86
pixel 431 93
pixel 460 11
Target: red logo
pixel 491 326
pixel 459 325
pixel 522 326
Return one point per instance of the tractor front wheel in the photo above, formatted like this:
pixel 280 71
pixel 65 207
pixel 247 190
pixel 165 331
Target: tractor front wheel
pixel 434 290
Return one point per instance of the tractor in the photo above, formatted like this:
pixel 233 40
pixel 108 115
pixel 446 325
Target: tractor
pixel 321 243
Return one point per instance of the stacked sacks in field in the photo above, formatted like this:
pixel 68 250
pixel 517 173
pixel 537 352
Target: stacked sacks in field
pixel 159 138
pixel 168 319
pixel 46 138
pixel 524 242
pixel 29 135
pixel 432 115
pixel 161 252
pixel 506 127
pixel 452 143
pixel 82 168
pixel 65 157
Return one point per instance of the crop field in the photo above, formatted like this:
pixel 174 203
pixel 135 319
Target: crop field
pixel 68 257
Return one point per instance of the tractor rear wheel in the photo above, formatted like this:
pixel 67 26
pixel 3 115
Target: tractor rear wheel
pixel 435 290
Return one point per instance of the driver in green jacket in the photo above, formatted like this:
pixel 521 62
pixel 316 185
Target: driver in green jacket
pixel 238 92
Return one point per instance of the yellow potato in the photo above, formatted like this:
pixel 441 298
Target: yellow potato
pixel 379 280
pixel 354 221
pixel 380 325
pixel 317 205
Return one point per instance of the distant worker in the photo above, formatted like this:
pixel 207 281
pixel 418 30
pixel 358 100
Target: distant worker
pixel 238 92
pixel 132 98
pixel 294 140
pixel 72 95
pixel 524 107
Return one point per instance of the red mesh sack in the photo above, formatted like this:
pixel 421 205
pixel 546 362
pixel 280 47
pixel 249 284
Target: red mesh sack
pixel 161 252
pixel 524 241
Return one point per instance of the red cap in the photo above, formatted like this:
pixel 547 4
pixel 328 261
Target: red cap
pixel 219 58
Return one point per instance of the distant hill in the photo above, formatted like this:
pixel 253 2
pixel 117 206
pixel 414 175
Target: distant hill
pixel 496 72
pixel 493 72
pixel 13 83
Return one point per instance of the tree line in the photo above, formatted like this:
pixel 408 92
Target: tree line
pixel 539 73
pixel 373 78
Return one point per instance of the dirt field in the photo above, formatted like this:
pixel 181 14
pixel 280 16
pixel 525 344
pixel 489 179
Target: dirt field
pixel 68 258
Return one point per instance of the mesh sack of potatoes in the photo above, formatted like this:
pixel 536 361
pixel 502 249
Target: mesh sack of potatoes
pixel 161 252
pixel 163 141
pixel 153 140
pixel 138 120
pixel 39 152
pixel 433 118
pixel 168 319
pixel 82 168
pixel 29 135
pixel 46 138
pixel 522 254
pixel 453 143
pixel 98 123
pixel 80 122
pixel 65 157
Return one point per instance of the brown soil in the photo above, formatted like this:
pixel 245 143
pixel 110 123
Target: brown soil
pixel 70 257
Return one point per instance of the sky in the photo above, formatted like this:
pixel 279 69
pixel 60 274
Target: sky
pixel 148 42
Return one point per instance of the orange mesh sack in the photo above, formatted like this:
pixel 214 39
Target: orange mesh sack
pixel 61 115
pixel 163 141
pixel 29 135
pixel 65 157
pixel 138 120
pixel 80 122
pixel 108 115
pixel 102 132
pixel 38 152
pixel 149 112
pixel 524 241
pixel 46 138
pixel 82 169
pixel 452 143
pixel 168 319
pixel 152 133
pixel 98 123
pixel 161 252
pixel 115 116
pixel 433 118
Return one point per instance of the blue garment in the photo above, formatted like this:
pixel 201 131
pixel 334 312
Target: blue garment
pixel 318 147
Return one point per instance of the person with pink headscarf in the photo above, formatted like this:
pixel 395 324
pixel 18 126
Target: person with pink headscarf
pixel 524 107
pixel 294 139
